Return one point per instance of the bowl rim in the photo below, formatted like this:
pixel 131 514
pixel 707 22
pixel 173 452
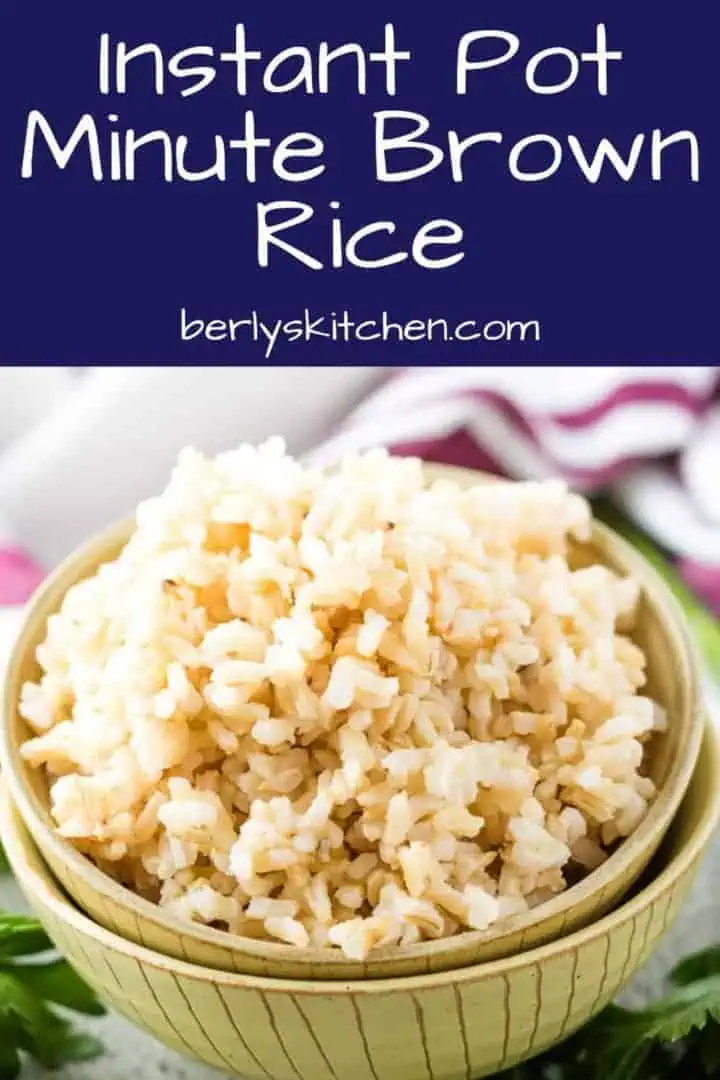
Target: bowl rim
pixel 607 543
pixel 21 851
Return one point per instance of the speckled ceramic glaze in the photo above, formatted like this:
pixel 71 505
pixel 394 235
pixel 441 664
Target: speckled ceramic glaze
pixel 451 1025
pixel 672 680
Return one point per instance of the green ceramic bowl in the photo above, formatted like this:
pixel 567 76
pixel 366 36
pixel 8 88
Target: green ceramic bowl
pixel 453 1025
pixel 672 680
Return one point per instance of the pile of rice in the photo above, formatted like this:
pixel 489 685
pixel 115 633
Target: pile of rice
pixel 352 710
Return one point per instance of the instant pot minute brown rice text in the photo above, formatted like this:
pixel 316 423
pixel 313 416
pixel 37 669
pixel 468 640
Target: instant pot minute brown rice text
pixel 345 710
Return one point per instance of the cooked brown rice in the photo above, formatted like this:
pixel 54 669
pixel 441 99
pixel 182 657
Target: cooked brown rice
pixel 350 710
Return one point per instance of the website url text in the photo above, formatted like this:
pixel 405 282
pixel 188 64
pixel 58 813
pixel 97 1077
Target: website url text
pixel 342 328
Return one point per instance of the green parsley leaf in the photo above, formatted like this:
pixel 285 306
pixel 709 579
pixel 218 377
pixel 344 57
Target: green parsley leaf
pixel 20 1008
pixel 61 1045
pixel 77 1046
pixel 683 1010
pixel 34 1028
pixel 58 983
pixel 9 1057
pixel 698 965
pixel 30 988
pixel 709 1049
pixel 21 936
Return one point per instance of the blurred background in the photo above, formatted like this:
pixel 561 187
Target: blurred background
pixel 79 447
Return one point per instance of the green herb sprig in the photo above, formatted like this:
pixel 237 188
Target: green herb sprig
pixel 37 990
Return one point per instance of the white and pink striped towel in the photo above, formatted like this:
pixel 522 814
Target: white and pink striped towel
pixel 649 437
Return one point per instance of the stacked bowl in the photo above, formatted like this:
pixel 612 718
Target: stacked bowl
pixel 470 1005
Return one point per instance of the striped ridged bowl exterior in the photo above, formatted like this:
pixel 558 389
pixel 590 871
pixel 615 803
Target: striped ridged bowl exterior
pixel 672 680
pixel 453 1025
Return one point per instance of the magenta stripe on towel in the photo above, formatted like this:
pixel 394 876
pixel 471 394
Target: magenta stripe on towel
pixel 617 461
pixel 633 394
pixel 19 576
pixel 614 456
pixel 460 448
pixel 512 427
pixel 704 580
